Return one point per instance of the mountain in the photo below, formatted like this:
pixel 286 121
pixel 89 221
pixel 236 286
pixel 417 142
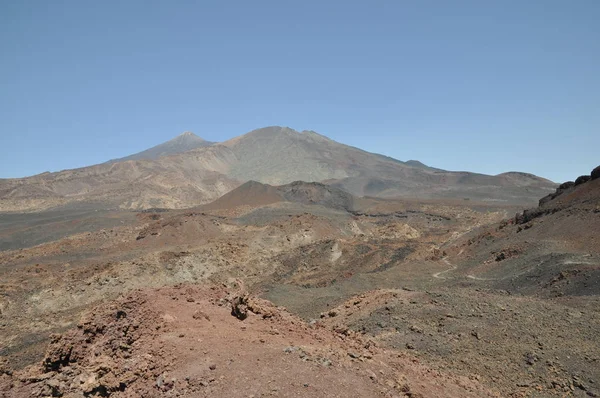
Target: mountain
pixel 173 175
pixel 182 143
pixel 279 155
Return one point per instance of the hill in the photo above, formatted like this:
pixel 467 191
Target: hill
pixel 255 194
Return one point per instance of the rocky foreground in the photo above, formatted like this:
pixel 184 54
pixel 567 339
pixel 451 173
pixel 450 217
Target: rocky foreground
pixel 187 341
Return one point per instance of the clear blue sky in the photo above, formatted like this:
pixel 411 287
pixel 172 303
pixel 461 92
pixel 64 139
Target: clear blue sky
pixel 486 86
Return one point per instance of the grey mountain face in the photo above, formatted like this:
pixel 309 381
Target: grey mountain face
pixel 279 155
pixel 182 143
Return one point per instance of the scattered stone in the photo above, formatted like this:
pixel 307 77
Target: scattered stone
pixel 239 307
pixel 531 358
pixel 198 314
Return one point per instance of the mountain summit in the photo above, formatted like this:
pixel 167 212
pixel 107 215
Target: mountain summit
pixel 182 143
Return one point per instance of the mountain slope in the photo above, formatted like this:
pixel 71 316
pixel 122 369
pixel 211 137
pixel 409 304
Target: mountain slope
pixel 550 250
pixel 279 155
pixel 271 155
pixel 182 143
pixel 172 182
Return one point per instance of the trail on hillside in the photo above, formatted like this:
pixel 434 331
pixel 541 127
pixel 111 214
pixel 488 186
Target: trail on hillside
pixel 438 275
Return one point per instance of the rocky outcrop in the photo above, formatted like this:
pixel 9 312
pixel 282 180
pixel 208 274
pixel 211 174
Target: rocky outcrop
pixel 582 179
pixel 596 173
pixel 565 187
pixel 530 214
pixel 95 359
pixel 562 188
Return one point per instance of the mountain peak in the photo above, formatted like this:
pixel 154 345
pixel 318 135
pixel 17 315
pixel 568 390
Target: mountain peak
pixel 271 130
pixel 281 131
pixel 416 163
pixel 188 134
pixel 184 142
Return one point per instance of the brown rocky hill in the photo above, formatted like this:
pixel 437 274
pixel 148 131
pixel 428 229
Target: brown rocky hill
pixel 173 182
pixel 255 194
pixel 271 155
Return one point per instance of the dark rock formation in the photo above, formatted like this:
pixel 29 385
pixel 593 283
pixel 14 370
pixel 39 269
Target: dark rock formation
pixel 562 188
pixel 565 185
pixel 582 179
pixel 596 173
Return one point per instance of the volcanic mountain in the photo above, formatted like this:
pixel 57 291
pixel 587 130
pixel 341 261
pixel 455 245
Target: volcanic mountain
pixel 172 176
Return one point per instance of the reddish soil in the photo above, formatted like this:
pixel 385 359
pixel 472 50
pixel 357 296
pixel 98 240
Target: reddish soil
pixel 184 342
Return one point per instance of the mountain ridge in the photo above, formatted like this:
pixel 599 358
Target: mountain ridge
pixel 188 171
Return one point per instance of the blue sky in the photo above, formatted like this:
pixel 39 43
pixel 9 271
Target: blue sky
pixel 486 86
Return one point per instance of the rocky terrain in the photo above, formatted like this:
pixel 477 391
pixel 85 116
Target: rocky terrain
pixel 297 236
pixel 304 289
pixel 183 341
pixel 189 171
pixel 516 306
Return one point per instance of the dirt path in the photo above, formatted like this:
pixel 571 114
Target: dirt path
pixel 438 275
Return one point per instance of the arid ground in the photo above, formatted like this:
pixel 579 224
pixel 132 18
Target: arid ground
pixel 304 290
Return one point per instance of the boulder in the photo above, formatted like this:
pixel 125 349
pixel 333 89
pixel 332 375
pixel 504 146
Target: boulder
pixel 582 179
pixel 566 185
pixel 595 173
pixel 239 307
